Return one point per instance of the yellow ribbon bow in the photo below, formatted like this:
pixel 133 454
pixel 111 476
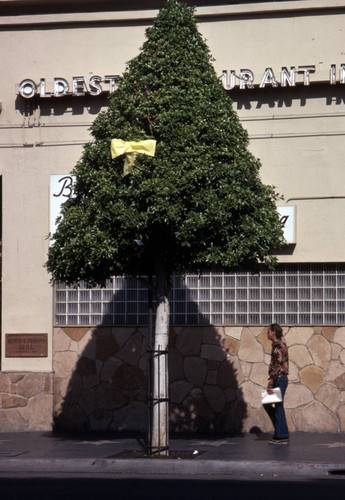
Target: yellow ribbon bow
pixel 130 149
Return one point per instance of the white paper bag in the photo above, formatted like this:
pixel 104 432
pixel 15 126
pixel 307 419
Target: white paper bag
pixel 276 397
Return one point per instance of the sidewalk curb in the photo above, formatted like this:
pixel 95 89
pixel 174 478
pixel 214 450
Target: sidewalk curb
pixel 168 467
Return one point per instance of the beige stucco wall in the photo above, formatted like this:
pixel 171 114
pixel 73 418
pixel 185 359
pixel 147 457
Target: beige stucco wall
pixel 302 155
pixel 297 133
pixel 36 146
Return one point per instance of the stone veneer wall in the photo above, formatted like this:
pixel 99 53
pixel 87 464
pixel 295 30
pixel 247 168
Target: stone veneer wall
pixel 26 401
pixel 216 377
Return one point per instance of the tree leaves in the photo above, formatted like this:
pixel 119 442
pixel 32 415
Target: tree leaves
pixel 198 203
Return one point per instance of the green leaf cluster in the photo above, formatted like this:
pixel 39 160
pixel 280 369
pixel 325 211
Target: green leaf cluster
pixel 198 203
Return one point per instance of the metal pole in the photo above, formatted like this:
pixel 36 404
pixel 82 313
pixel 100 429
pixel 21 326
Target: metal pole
pixel 150 364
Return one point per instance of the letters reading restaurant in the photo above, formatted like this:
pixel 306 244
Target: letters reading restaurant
pixel 76 357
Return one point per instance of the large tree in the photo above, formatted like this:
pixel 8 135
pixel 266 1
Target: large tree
pixel 197 204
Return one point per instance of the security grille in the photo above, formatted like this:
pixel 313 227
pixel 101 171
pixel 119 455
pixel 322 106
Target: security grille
pixel 291 294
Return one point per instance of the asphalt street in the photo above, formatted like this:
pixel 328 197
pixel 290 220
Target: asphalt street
pixel 86 488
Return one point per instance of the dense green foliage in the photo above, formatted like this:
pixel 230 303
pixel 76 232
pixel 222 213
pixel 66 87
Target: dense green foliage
pixel 199 203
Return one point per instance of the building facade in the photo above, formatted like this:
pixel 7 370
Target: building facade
pixel 77 358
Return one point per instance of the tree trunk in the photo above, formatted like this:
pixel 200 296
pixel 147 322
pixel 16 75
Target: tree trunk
pixel 160 387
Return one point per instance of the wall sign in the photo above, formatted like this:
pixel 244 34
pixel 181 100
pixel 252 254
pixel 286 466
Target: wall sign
pixel 60 87
pixel 244 79
pixel 61 188
pixel 288 222
pixel 26 345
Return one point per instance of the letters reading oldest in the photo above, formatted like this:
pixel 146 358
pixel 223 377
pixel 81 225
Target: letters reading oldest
pixel 244 79
pixel 61 87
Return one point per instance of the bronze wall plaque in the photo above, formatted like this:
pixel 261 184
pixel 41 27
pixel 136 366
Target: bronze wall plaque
pixel 26 345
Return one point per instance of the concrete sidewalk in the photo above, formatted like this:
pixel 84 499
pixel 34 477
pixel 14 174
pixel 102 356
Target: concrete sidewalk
pixel 307 455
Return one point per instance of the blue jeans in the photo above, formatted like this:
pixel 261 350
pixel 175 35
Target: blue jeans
pixel 276 412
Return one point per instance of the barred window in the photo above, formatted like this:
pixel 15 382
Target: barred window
pixel 291 294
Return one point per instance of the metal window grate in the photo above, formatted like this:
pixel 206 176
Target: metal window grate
pixel 291 294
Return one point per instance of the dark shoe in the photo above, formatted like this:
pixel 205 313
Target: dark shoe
pixel 279 441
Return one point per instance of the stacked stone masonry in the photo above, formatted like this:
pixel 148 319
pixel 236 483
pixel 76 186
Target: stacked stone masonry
pixel 26 401
pixel 216 377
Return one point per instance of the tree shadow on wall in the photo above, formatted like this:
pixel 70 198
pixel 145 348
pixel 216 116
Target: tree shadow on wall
pixel 101 373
